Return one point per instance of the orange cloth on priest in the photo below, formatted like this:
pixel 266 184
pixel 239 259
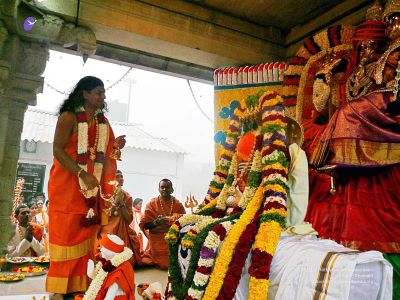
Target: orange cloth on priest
pixel 71 244
pixel 157 246
pixel 38 231
pixel 124 276
pixel 119 226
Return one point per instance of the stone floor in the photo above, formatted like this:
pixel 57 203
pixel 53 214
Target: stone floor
pixel 35 286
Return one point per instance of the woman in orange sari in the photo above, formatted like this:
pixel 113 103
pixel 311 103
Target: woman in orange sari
pixel 84 162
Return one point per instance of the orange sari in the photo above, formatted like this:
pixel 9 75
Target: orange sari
pixel 71 245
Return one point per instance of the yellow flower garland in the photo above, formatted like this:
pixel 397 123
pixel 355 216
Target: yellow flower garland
pixel 225 255
pixel 266 240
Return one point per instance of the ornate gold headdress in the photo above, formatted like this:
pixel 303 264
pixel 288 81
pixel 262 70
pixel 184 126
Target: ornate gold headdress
pixel 391 7
pixel 374 12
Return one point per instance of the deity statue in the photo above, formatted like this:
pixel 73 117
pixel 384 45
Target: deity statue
pixel 388 67
pixel 360 147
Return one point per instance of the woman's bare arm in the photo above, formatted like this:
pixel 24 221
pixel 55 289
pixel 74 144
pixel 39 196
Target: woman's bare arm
pixel 64 130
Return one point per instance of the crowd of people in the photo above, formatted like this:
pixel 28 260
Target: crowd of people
pixel 89 217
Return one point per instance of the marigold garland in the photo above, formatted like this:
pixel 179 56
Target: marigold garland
pixel 253 181
pixel 221 170
pixel 225 255
pixel 241 251
pixel 179 286
pixel 273 217
pixel 265 208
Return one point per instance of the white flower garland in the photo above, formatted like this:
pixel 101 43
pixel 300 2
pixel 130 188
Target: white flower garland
pixel 83 144
pixel 212 242
pixel 190 219
pixel 101 275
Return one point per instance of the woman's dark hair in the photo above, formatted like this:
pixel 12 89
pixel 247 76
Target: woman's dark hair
pixel 31 202
pixel 75 99
pixel 136 201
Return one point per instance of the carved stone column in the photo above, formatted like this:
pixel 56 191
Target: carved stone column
pixel 21 66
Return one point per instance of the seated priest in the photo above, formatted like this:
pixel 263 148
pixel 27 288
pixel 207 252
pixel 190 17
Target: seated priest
pixel 160 212
pixel 28 238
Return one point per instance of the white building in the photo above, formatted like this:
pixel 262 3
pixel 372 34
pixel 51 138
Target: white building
pixel 145 159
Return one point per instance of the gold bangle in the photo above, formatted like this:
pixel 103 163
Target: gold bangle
pixel 79 172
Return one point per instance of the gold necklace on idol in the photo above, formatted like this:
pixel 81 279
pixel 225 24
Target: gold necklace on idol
pixel 162 207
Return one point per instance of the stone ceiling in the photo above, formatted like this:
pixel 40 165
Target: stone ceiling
pixel 191 38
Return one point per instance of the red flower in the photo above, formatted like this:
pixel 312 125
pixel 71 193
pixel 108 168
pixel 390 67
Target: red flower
pixel 101 118
pixel 235 210
pixel 268 172
pixel 260 264
pixel 220 231
pixel 218 213
pixel 81 117
pixel 156 296
pixel 243 247
pixel 204 270
pixel 273 204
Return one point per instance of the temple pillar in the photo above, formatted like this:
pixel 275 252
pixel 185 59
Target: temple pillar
pixel 21 66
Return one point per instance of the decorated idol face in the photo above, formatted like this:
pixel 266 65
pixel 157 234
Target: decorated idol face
pixel 393 28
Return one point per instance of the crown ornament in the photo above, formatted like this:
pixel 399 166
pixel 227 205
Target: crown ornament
pixel 374 12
